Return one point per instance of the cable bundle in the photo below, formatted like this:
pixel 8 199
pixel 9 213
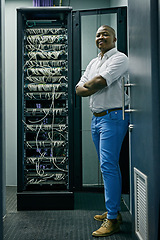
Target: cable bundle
pixel 46 105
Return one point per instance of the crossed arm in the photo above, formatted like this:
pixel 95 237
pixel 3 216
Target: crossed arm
pixel 91 87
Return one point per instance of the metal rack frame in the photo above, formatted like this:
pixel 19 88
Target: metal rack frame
pixel 36 196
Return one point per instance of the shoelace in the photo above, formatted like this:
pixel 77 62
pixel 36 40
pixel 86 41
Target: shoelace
pixel 106 223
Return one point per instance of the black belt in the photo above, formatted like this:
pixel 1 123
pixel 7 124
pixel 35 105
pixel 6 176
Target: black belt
pixel 101 114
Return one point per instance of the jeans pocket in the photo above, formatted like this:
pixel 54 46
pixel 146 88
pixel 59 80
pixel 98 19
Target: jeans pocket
pixel 115 115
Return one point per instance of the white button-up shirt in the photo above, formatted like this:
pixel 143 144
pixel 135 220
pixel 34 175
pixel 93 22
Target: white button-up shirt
pixel 112 67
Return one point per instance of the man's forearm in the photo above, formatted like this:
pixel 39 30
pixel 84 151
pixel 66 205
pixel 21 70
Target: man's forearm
pixel 97 83
pixel 94 85
pixel 84 92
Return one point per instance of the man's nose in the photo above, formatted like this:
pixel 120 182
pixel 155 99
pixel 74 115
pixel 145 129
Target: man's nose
pixel 101 35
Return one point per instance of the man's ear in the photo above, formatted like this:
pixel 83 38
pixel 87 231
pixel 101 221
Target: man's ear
pixel 115 39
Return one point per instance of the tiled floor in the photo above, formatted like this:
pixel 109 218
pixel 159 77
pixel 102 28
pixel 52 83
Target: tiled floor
pixel 75 224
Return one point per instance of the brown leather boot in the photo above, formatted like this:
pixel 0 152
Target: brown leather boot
pixel 104 216
pixel 101 217
pixel 107 228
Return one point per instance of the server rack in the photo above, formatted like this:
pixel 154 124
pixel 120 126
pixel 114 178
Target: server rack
pixel 45 112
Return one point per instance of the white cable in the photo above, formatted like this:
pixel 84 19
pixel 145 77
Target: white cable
pixel 63 170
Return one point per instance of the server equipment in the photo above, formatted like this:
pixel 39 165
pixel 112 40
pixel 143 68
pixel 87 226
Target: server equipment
pixel 45 153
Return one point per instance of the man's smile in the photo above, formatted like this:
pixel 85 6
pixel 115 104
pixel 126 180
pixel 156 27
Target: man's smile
pixel 101 41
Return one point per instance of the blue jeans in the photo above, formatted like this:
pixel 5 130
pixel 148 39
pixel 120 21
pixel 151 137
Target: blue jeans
pixel 108 133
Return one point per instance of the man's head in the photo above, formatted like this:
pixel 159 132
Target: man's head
pixel 105 38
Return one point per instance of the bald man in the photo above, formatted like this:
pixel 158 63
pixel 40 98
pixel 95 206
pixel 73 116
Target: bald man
pixel 102 82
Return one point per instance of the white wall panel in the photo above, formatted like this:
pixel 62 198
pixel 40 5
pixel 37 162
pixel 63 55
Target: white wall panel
pixel 11 87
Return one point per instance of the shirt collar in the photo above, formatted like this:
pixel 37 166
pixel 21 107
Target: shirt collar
pixel 108 54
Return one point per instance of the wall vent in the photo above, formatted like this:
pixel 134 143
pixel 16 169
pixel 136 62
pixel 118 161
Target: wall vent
pixel 141 205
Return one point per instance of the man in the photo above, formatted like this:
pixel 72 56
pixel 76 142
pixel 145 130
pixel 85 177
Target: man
pixel 102 83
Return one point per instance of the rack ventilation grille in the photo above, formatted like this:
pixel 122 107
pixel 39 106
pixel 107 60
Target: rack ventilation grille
pixel 141 205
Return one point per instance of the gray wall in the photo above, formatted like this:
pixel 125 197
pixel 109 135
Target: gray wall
pixel 11 75
pixel 2 120
pixel 119 3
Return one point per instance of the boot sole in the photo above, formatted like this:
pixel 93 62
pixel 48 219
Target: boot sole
pixel 106 234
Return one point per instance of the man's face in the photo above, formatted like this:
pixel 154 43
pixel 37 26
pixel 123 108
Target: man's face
pixel 105 39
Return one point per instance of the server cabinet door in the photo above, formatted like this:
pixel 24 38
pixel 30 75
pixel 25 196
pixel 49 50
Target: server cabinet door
pixel 145 117
pixel 85 25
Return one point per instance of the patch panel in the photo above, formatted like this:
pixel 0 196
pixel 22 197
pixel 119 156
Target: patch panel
pixel 45 100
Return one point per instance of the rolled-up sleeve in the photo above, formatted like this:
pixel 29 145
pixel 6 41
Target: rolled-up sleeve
pixel 116 68
pixel 84 77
